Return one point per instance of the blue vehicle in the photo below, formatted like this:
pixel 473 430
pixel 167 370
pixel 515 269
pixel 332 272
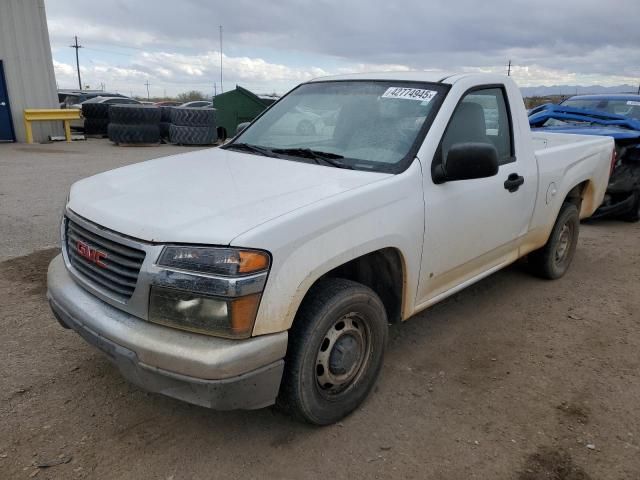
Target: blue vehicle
pixel 616 116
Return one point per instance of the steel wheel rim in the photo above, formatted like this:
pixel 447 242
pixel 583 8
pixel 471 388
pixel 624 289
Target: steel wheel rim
pixel 564 244
pixel 347 339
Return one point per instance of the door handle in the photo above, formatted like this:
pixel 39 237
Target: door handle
pixel 513 182
pixel 2 104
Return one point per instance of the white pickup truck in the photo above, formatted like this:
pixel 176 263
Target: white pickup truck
pixel 267 271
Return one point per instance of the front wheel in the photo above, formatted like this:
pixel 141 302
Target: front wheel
pixel 335 351
pixel 552 261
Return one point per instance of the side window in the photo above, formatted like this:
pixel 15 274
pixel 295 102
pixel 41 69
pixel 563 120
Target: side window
pixel 481 116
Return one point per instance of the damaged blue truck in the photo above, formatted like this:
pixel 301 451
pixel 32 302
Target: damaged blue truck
pixel 616 116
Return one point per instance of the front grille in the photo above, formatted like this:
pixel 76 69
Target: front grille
pixel 115 270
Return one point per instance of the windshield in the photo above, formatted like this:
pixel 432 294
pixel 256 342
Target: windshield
pixel 356 124
pixel 627 108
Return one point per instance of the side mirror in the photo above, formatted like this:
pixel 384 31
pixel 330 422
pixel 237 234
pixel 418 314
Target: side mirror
pixel 466 161
pixel 241 127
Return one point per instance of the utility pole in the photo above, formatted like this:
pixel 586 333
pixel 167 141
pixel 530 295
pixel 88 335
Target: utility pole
pixel 147 85
pixel 77 47
pixel 221 88
pixel 509 69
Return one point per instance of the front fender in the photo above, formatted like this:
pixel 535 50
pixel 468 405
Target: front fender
pixel 309 242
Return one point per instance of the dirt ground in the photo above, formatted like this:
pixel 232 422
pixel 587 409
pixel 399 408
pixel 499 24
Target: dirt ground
pixel 513 378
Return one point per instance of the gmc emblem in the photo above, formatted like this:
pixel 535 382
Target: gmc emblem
pixel 91 254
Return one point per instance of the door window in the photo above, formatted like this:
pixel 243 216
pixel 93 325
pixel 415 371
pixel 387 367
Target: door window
pixel 481 117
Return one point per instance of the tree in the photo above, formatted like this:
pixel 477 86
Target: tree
pixel 190 96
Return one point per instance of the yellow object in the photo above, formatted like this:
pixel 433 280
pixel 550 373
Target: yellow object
pixel 243 314
pixel 253 261
pixel 50 115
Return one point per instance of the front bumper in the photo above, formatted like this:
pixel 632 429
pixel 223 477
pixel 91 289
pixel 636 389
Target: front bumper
pixel 211 372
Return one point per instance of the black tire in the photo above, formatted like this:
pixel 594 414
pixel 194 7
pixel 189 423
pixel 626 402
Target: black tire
pixel 634 214
pixel 164 129
pixel 553 260
pixel 165 113
pixel 182 135
pixel 134 114
pixel 222 133
pixel 95 110
pixel 333 306
pixel 127 134
pixel 193 117
pixel 95 126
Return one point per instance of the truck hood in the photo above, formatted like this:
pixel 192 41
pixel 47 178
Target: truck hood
pixel 210 196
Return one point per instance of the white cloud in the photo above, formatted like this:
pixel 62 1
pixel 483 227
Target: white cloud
pixel 175 73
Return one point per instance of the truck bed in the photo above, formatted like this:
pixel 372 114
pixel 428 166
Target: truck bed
pixel 561 156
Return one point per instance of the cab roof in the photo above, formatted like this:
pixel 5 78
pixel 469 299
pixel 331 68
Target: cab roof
pixel 432 76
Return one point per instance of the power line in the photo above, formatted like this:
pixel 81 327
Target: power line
pixel 77 47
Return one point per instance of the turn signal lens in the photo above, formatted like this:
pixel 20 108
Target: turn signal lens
pixel 243 314
pixel 251 261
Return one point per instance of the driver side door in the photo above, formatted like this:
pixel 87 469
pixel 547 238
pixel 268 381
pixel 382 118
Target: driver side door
pixel 472 226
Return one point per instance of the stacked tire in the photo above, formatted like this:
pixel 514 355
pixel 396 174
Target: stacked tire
pixel 193 126
pixel 134 124
pixel 165 122
pixel 96 118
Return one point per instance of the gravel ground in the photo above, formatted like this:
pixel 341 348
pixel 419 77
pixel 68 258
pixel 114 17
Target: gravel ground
pixel 513 378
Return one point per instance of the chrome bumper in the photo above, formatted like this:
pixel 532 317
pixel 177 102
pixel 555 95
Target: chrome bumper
pixel 208 371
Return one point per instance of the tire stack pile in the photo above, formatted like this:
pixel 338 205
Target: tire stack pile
pixel 193 126
pixel 96 118
pixel 165 122
pixel 134 124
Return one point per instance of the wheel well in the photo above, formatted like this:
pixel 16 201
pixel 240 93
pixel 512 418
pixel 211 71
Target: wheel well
pixel 382 271
pixel 576 194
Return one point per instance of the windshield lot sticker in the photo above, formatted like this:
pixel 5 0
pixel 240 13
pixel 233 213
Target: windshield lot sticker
pixel 410 94
pixel 634 103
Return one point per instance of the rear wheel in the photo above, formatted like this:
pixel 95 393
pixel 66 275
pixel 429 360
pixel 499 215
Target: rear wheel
pixel 335 351
pixel 552 261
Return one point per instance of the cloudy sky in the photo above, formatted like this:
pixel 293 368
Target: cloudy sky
pixel 272 46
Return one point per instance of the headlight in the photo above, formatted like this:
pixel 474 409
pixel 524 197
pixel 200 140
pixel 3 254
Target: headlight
pixel 224 317
pixel 193 299
pixel 214 261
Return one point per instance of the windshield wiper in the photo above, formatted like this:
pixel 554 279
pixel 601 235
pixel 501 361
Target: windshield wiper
pixel 315 155
pixel 250 148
